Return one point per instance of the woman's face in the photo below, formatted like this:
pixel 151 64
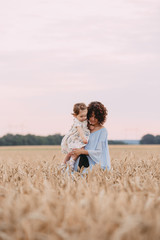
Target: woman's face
pixel 93 121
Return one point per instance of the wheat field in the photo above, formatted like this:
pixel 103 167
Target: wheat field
pixel 38 201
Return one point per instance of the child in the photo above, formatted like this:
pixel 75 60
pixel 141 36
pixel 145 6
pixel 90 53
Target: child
pixel 78 135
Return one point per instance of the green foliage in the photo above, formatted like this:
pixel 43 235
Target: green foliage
pixel 29 139
pixel 150 139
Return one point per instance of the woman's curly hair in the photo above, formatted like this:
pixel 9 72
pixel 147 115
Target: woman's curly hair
pixel 99 111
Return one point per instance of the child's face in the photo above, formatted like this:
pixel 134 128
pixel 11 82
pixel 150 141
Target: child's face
pixel 82 116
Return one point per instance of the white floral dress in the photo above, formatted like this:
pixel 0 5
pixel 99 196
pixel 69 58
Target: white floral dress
pixel 72 139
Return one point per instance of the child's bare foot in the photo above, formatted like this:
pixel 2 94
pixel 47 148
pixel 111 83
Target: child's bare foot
pixel 67 158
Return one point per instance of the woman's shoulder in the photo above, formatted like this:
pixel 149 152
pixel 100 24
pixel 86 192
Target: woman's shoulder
pixel 103 134
pixel 99 135
pixel 104 131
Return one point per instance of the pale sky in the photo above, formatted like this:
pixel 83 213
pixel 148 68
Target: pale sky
pixel 55 53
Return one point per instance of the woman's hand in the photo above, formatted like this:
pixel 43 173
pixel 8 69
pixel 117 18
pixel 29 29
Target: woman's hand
pixel 76 152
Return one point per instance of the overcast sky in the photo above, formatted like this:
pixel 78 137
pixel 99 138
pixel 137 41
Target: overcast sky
pixel 55 53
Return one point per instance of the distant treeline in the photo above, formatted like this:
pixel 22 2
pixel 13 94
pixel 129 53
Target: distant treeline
pixel 150 139
pixel 29 139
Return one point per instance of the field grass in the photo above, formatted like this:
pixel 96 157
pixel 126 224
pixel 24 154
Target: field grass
pixel 40 202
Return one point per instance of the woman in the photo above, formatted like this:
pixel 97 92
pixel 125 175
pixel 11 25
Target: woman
pixel 96 149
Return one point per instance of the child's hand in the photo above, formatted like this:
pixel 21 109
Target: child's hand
pixel 85 141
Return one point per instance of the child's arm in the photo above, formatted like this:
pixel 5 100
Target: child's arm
pixel 81 134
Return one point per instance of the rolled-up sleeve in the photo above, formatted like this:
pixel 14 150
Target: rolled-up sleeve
pixel 101 155
pixel 96 154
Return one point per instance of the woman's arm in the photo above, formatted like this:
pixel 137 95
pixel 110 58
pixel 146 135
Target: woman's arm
pixel 78 151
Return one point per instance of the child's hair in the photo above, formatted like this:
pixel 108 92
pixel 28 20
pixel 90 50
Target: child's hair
pixel 77 107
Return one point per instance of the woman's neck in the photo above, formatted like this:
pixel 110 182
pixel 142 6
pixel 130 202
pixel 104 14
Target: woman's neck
pixel 96 127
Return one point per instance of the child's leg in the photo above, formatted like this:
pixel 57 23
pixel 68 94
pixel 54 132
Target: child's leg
pixel 67 158
pixel 71 163
pixel 73 160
